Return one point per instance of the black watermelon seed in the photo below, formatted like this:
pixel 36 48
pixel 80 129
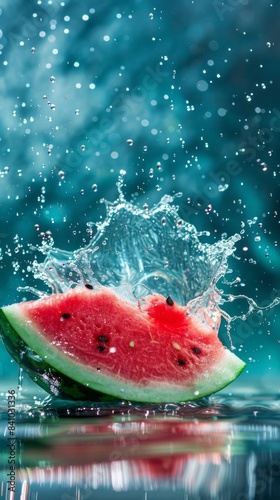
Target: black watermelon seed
pixel 103 338
pixel 89 286
pixel 181 362
pixel 101 348
pixel 66 315
pixel 169 301
pixel 196 350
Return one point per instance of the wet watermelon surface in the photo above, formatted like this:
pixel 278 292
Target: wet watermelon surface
pixel 151 339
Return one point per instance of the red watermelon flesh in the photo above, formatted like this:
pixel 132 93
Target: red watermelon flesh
pixel 151 350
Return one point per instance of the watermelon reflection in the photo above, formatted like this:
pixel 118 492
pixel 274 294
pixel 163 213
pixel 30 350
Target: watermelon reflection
pixel 227 449
pixel 148 454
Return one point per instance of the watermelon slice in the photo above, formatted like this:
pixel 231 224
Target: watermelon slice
pixel 88 342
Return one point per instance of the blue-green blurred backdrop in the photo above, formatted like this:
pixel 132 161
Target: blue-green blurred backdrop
pixel 184 96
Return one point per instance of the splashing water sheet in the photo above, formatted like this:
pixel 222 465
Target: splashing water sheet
pixel 140 152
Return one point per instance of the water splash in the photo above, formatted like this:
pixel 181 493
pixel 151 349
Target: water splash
pixel 138 251
pixel 143 249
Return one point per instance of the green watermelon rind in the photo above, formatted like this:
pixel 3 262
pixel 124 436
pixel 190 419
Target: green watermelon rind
pixel 67 378
pixel 41 372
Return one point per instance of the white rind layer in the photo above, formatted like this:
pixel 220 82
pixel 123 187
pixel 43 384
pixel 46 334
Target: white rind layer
pixel 215 379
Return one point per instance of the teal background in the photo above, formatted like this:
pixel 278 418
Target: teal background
pixel 195 86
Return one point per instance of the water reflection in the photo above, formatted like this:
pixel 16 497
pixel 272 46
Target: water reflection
pixel 207 450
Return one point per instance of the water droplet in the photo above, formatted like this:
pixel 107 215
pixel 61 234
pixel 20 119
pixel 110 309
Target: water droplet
pixel 94 188
pixel 130 142
pixel 52 79
pixel 20 376
pixel 202 85
pixel 222 188
pixel 83 147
